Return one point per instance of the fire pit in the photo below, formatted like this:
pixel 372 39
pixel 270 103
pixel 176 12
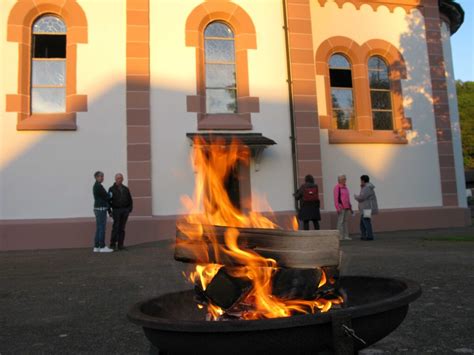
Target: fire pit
pixel 374 308
pixel 258 287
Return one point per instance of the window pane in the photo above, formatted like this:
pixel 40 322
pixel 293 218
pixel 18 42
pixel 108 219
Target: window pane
pixel 344 119
pixel 340 78
pixel 379 80
pixel 381 100
pixel 48 72
pixel 49 46
pixel 219 51
pixel 339 61
pixel 221 101
pixel 220 76
pixel 382 120
pixel 218 29
pixel 342 99
pixel 377 63
pixel 49 24
pixel 48 100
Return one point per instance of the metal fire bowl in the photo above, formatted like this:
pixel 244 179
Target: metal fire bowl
pixel 374 308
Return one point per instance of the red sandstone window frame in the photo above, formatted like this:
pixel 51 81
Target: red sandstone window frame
pixel 245 38
pixel 20 21
pixel 359 57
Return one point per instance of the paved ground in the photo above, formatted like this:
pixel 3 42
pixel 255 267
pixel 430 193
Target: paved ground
pixel 74 301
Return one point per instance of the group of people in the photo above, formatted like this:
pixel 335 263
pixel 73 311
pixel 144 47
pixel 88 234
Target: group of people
pixel 309 205
pixel 117 202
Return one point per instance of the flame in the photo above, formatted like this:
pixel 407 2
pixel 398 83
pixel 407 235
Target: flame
pixel 211 206
pixel 294 223
pixel 323 280
pixel 204 274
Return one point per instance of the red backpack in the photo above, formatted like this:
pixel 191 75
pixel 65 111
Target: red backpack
pixel 310 194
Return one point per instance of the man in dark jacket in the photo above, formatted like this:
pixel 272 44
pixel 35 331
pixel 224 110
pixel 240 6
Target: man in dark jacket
pixel 307 194
pixel 122 205
pixel 101 206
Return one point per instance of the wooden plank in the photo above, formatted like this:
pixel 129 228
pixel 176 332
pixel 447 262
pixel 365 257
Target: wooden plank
pixel 293 249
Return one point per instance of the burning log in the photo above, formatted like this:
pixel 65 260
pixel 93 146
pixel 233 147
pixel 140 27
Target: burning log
pixel 306 284
pixel 296 283
pixel 224 290
pixel 290 249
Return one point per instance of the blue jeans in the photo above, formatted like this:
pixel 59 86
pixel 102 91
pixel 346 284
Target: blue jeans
pixel 366 228
pixel 100 221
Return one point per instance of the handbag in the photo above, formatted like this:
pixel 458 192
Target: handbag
pixel 367 213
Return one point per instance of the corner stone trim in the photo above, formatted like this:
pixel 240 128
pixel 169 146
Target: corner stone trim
pixel 138 106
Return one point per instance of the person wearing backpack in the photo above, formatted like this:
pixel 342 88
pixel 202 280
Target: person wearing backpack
pixel 342 202
pixel 308 197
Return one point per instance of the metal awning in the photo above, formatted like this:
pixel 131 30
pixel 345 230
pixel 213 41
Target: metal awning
pixel 248 139
pixel 255 141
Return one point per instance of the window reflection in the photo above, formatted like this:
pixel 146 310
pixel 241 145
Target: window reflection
pixel 340 75
pixel 48 65
pixel 380 94
pixel 221 85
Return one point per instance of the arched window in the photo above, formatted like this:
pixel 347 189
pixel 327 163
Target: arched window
pixel 380 94
pixel 340 76
pixel 221 84
pixel 48 65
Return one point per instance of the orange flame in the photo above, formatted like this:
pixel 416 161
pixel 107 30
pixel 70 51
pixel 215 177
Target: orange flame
pixel 204 274
pixel 294 223
pixel 211 206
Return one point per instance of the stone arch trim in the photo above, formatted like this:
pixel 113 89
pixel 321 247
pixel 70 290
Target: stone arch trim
pixel 390 53
pixel 20 20
pixel 407 5
pixel 359 55
pixel 245 38
pixel 352 51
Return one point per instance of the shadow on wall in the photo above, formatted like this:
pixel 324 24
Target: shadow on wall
pixel 50 173
pixel 418 93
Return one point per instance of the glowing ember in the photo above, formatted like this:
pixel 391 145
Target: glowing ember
pixel 211 206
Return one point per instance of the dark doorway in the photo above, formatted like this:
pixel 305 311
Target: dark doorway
pixel 233 187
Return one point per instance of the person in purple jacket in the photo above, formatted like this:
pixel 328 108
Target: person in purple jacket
pixel 342 201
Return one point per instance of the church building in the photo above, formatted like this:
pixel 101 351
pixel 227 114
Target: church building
pixel 321 87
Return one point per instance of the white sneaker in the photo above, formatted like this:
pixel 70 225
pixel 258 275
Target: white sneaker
pixel 347 238
pixel 105 250
pixel 96 250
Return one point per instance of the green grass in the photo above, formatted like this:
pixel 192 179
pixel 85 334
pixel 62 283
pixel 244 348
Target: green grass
pixel 458 238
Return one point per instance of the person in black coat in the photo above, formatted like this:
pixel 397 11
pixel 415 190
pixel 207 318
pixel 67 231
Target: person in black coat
pixel 309 203
pixel 101 206
pixel 122 205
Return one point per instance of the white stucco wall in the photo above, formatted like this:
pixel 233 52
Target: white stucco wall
pixel 404 175
pixel 454 114
pixel 173 72
pixel 3 86
pixel 49 174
